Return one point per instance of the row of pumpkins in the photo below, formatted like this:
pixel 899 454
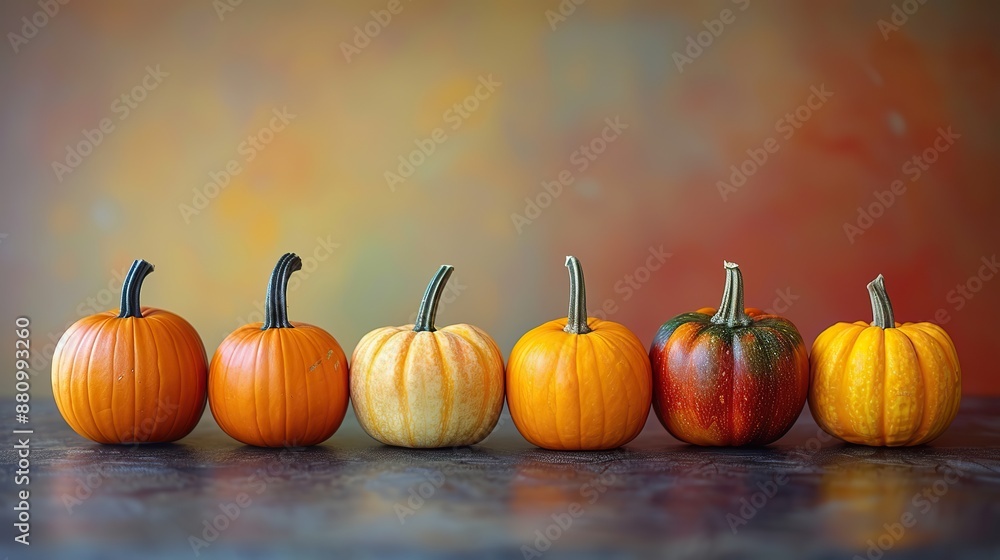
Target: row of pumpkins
pixel 725 377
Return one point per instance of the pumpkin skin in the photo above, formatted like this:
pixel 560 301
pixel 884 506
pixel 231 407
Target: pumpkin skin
pixel 577 383
pixel 136 375
pixel 885 383
pixel 277 383
pixel 423 387
pixel 729 378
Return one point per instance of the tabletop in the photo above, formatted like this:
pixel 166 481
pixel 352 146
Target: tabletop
pixel 806 496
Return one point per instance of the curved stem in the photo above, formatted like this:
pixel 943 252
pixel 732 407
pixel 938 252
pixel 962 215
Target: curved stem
pixel 432 297
pixel 281 306
pixel 576 320
pixel 731 312
pixel 130 289
pixel 276 298
pixel 882 315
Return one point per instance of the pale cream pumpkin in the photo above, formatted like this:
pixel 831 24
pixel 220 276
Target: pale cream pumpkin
pixel 417 386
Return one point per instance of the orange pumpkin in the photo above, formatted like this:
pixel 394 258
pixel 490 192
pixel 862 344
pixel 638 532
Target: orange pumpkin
pixel 278 383
pixel 579 384
pixel 419 386
pixel 133 375
pixel 885 383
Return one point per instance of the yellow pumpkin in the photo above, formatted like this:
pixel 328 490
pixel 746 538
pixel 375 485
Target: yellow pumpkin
pixel 885 383
pixel 419 386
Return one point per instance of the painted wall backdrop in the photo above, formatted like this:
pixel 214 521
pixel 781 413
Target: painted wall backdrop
pixel 815 144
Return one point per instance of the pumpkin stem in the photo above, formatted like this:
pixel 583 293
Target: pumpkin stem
pixel 576 320
pixel 731 312
pixel 130 289
pixel 882 315
pixel 428 310
pixel 276 298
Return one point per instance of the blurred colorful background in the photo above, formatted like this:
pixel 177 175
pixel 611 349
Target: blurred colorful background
pixel 380 139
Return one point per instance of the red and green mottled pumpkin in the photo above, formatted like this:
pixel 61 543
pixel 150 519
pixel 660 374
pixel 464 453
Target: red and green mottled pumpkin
pixel 729 377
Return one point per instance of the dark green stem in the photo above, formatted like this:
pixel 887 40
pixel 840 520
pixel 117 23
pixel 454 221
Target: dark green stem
pixel 130 289
pixel 432 297
pixel 731 312
pixel 276 298
pixel 882 315
pixel 576 320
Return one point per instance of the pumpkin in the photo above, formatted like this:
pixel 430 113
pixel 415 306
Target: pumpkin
pixel 729 377
pixel 577 383
pixel 277 383
pixel 884 383
pixel 133 375
pixel 420 386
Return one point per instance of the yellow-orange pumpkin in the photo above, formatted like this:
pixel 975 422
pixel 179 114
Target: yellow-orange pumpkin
pixel 885 383
pixel 420 386
pixel 579 384
pixel 130 376
pixel 278 383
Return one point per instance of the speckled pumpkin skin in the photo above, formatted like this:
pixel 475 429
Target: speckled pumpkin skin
pixel 889 387
pixel 716 385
